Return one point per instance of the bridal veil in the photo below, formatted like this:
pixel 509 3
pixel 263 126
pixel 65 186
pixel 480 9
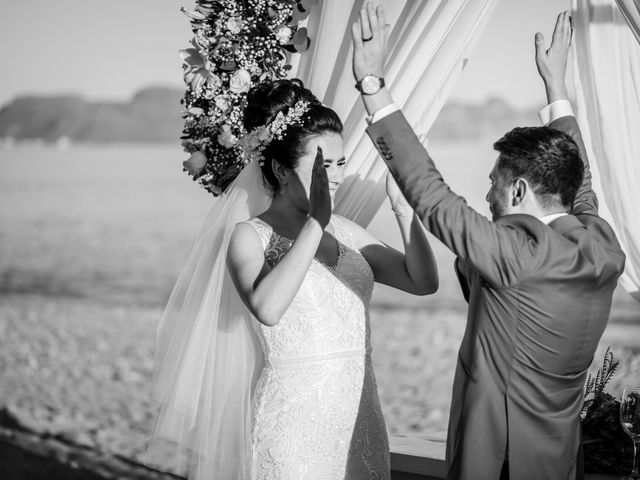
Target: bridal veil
pixel 207 354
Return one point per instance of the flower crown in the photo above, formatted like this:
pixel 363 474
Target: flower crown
pixel 254 142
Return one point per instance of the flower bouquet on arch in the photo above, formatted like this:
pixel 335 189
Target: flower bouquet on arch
pixel 236 44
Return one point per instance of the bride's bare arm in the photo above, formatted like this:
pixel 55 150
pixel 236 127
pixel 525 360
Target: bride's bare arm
pixel 268 291
pixel 414 271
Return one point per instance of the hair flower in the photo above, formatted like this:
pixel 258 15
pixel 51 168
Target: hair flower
pixel 253 143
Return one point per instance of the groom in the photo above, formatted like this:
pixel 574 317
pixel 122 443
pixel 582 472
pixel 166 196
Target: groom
pixel 539 279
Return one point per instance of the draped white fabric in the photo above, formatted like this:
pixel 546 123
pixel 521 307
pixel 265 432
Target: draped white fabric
pixel 429 45
pixel 631 11
pixel 607 89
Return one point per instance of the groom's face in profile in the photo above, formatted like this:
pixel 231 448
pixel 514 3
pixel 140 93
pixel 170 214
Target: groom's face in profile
pixel 498 193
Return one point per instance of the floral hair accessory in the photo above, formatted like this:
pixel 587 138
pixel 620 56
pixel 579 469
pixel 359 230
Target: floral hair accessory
pixel 253 143
pixel 236 44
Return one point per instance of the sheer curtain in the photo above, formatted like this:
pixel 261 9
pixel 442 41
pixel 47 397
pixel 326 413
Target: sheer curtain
pixel 607 89
pixel 429 45
pixel 631 11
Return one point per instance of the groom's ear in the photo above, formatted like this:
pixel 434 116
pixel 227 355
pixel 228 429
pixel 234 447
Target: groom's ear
pixel 519 190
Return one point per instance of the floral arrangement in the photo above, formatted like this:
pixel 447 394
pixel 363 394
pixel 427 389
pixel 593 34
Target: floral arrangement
pixel 607 449
pixel 236 44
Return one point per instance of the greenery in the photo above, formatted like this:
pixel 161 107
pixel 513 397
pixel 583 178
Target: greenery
pixel 236 44
pixel 607 449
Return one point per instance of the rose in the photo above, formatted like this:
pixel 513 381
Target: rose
pixel 195 163
pixel 226 138
pixel 284 35
pixel 240 81
pixel 222 103
pixel 214 81
pixel 234 25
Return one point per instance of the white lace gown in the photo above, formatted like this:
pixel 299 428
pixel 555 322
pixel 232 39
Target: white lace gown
pixel 317 412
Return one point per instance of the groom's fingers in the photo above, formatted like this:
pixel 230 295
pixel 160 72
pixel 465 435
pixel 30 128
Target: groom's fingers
pixel 567 27
pixel 373 19
pixel 540 46
pixel 356 33
pixel 364 24
pixel 557 31
pixel 381 21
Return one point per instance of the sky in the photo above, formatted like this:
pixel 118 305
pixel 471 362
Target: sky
pixel 106 50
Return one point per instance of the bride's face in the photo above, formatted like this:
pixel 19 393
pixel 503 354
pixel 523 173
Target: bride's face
pixel 333 152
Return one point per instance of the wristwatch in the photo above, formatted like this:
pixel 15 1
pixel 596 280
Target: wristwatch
pixel 370 84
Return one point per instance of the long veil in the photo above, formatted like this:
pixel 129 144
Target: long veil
pixel 208 357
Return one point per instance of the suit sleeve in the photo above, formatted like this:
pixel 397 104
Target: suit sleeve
pixel 462 272
pixel 586 202
pixel 503 255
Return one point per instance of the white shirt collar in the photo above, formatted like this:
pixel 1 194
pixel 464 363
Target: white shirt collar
pixel 547 219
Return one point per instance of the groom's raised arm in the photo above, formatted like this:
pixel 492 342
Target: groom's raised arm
pixel 501 254
pixel 558 114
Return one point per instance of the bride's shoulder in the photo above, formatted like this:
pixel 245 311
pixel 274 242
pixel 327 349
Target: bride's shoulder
pixel 250 232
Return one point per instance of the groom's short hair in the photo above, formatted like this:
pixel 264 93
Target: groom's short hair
pixel 547 158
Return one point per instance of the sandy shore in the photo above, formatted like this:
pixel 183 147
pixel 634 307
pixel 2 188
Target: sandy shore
pixel 83 369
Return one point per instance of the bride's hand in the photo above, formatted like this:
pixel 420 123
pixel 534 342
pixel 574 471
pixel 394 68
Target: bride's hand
pixel 319 195
pixel 399 204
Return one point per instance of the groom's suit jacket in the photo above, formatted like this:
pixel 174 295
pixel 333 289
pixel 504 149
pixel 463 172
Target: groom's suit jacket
pixel 539 299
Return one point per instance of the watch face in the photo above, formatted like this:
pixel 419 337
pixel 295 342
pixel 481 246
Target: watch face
pixel 370 84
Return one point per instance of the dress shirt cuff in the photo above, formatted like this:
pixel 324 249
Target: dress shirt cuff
pixel 555 110
pixel 383 112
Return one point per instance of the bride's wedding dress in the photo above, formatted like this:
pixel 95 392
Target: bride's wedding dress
pixel 317 413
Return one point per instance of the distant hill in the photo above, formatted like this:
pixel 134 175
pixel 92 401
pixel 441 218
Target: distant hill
pixel 473 122
pixel 153 115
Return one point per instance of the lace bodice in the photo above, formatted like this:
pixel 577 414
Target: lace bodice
pixel 327 314
pixel 316 413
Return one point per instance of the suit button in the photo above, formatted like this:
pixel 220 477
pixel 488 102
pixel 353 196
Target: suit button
pixel 380 141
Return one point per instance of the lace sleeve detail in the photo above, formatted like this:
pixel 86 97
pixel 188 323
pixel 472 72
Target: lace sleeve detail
pixel 274 246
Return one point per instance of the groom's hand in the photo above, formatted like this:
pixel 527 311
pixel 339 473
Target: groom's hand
pixel 370 34
pixel 552 63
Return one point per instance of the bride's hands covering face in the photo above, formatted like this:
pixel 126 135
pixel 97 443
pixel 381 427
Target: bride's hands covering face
pixel 319 196
pixel 332 146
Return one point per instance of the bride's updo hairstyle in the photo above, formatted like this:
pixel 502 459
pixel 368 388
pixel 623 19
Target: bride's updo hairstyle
pixel 265 101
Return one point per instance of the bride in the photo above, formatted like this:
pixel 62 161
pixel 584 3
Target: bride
pixel 279 384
